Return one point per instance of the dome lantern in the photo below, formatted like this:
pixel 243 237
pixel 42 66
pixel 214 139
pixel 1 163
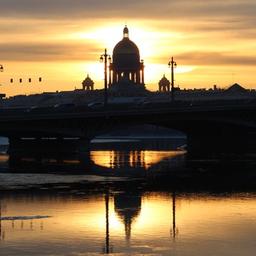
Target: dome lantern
pixel 126 32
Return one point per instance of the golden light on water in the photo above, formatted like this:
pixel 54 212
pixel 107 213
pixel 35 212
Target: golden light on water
pixel 131 159
pixel 76 218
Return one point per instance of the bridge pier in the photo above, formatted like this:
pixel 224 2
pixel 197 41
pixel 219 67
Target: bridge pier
pixel 220 144
pixel 47 162
pixel 48 145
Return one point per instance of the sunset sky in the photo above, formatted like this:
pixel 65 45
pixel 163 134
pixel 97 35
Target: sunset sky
pixel 212 41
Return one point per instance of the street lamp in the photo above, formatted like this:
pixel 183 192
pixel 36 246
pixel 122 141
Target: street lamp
pixel 107 247
pixel 1 68
pixel 172 64
pixel 105 58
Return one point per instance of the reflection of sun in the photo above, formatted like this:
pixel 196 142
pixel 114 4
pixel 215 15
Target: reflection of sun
pixel 154 157
pixel 4 158
pixel 144 159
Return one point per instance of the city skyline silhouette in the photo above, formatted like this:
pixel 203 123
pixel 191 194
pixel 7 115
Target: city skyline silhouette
pixel 61 41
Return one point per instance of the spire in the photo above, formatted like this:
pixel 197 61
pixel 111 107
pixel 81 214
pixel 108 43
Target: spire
pixel 126 32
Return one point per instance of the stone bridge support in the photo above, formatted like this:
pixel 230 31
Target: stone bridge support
pixel 219 143
pixel 50 145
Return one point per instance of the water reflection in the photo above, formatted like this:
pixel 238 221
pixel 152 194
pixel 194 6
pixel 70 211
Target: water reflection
pixel 127 206
pixel 132 159
pixel 2 232
pixel 103 158
pixel 135 223
pixel 174 230
pixel 48 162
pixel 60 214
pixel 107 248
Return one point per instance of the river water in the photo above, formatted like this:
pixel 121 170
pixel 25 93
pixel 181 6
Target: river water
pixel 127 197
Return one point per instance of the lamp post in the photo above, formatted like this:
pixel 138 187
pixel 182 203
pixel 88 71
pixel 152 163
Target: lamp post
pixel 172 64
pixel 174 228
pixel 1 68
pixel 107 247
pixel 105 58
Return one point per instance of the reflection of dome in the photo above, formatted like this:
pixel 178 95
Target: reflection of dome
pixel 128 207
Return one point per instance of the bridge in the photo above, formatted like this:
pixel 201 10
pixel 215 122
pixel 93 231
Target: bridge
pixel 215 126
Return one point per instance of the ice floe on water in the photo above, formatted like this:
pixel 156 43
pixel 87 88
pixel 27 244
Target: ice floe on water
pixel 37 217
pixel 11 179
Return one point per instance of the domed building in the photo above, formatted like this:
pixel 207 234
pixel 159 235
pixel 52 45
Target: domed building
pixel 164 85
pixel 88 84
pixel 126 68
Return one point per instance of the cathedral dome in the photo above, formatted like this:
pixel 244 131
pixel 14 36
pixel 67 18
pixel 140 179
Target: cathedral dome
pixel 164 81
pixel 126 46
pixel 126 53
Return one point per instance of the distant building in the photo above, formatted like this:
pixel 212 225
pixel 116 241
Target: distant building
pixel 125 77
pixel 126 72
pixel 88 84
pixel 236 88
pixel 164 84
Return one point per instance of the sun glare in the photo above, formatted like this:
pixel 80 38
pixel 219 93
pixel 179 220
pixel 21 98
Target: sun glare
pixel 147 41
pixel 107 37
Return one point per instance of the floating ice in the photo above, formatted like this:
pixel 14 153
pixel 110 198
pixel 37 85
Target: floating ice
pixel 12 179
pixel 37 217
